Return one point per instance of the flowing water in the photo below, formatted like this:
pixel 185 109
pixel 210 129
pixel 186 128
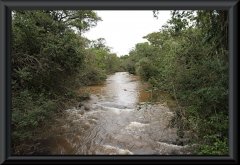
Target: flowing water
pixel 117 119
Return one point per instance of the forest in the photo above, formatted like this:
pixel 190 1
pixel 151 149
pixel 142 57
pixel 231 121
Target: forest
pixel 187 58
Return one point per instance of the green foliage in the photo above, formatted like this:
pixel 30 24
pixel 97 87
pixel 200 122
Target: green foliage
pixel 92 75
pixel 28 112
pixel 217 147
pixel 188 58
pixel 98 63
pixel 47 60
pixel 145 69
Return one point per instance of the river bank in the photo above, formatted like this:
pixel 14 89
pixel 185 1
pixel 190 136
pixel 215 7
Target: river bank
pixel 117 119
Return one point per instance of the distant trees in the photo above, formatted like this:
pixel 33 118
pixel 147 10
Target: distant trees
pixel 98 63
pixel 188 58
pixel 50 60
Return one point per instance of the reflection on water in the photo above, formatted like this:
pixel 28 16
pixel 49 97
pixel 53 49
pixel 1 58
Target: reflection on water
pixel 119 121
pixel 122 88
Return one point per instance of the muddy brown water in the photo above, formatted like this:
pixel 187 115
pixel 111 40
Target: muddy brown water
pixel 119 120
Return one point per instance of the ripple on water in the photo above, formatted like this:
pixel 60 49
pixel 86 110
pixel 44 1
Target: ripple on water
pixel 171 149
pixel 118 127
pixel 111 150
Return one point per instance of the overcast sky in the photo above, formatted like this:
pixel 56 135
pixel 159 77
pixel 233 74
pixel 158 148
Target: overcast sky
pixel 123 29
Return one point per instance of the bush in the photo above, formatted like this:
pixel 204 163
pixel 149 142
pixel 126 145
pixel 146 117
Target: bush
pixel 28 112
pixel 217 147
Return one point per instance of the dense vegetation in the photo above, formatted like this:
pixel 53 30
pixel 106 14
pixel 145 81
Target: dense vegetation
pixel 188 58
pixel 50 61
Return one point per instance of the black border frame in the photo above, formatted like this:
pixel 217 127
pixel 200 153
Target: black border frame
pixel 5 75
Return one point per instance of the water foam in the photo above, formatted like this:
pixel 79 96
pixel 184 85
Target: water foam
pixel 116 150
pixel 167 149
pixel 116 110
pixel 134 125
pixel 134 129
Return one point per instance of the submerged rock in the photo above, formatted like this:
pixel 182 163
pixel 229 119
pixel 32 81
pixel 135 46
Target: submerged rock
pixel 181 142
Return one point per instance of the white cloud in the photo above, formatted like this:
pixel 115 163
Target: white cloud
pixel 122 29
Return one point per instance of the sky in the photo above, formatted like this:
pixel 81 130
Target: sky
pixel 122 30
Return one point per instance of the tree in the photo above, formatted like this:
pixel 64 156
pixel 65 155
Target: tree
pixel 47 57
pixel 188 58
pixel 81 20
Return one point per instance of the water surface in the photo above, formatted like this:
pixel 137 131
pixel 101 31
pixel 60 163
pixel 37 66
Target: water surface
pixel 118 119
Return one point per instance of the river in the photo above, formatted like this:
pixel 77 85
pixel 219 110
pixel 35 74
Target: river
pixel 117 119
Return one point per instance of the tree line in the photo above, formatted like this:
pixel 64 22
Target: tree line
pixel 188 58
pixel 50 60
